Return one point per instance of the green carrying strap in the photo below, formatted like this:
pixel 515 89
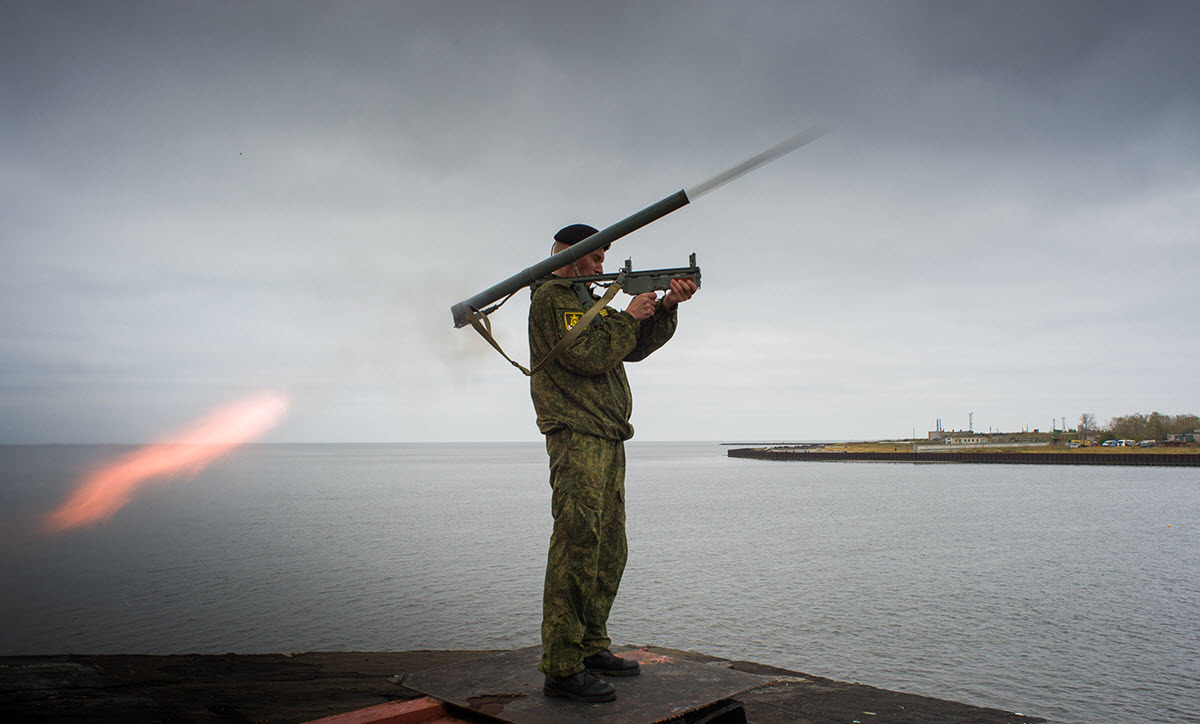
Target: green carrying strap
pixel 482 325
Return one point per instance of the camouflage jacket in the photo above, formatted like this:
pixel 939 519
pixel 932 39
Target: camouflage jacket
pixel 585 389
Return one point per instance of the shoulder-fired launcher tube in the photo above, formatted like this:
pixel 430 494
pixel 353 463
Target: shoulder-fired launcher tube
pixel 462 311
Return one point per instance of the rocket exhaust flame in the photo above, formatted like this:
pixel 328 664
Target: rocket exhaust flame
pixel 104 492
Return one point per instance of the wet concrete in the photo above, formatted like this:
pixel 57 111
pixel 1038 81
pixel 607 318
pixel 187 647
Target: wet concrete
pixel 287 688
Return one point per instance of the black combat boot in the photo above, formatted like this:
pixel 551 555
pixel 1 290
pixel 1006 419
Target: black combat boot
pixel 580 687
pixel 605 664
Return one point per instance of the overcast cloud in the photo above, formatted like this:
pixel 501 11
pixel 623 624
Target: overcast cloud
pixel 203 200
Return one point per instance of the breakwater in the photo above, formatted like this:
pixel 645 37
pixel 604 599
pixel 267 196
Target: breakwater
pixel 971 456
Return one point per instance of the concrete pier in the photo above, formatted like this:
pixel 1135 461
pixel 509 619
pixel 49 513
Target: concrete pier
pixel 293 688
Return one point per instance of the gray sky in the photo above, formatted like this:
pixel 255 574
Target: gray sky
pixel 200 201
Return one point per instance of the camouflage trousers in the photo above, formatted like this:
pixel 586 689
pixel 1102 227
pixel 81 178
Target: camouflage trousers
pixel 587 548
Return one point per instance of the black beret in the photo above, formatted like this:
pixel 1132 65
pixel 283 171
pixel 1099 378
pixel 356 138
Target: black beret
pixel 575 233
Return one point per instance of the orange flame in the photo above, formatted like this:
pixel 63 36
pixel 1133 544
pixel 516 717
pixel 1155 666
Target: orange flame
pixel 102 493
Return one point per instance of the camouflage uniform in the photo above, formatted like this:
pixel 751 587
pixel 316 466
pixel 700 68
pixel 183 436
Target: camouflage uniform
pixel 583 405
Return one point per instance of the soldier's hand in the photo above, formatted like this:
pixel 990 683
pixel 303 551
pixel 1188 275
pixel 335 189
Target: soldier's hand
pixel 681 291
pixel 642 306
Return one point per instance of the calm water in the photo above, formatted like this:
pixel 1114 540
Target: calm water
pixel 1067 592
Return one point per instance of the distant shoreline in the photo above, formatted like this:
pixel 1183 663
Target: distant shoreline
pixel 907 453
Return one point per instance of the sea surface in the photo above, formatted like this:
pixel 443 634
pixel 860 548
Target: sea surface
pixel 1071 593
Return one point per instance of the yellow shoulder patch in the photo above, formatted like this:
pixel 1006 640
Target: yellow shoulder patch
pixel 570 318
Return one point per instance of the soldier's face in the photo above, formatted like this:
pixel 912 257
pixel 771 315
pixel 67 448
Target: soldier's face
pixel 588 265
pixel 592 263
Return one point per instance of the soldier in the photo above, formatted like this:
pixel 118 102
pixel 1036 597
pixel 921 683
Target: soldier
pixel 583 405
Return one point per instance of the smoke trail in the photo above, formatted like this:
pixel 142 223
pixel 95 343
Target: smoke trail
pixel 783 147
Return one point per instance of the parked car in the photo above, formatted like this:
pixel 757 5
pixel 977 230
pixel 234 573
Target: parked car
pixel 1147 443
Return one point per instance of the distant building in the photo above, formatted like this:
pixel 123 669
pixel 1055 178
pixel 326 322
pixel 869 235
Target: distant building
pixel 970 437
pixel 946 434
pixel 1193 436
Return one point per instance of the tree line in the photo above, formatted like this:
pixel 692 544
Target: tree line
pixel 1138 426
